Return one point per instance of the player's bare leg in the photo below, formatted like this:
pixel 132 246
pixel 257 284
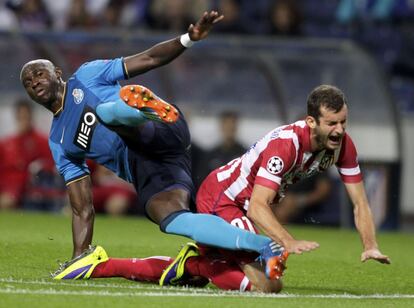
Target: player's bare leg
pixel 167 202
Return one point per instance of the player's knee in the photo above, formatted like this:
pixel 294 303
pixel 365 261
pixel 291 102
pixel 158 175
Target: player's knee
pixel 166 203
pixel 268 286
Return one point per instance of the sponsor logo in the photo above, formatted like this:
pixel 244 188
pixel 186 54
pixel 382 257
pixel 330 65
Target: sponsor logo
pixel 86 127
pixel 78 95
pixel 275 165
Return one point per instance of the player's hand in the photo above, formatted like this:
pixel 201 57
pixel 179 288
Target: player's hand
pixel 203 26
pixel 297 247
pixel 376 255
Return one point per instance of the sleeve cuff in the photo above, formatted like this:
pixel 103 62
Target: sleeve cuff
pixel 125 70
pixel 351 178
pixel 267 183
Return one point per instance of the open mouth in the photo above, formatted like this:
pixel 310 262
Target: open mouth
pixel 335 139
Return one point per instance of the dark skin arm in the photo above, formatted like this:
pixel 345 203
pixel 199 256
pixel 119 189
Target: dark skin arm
pixel 167 51
pixel 83 214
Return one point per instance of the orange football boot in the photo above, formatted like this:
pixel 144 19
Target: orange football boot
pixel 153 107
pixel 276 265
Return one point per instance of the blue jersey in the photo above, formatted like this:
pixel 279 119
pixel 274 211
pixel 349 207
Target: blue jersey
pixel 76 134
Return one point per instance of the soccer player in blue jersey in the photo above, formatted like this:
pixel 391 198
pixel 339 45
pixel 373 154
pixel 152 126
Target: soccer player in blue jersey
pixel 91 121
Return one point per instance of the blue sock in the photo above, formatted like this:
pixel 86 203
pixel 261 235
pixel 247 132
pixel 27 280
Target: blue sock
pixel 213 230
pixel 119 113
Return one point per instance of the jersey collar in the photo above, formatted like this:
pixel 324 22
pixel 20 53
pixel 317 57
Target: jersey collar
pixel 62 103
pixel 306 142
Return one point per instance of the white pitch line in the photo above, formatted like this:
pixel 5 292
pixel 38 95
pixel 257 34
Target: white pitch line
pixel 77 284
pixel 194 294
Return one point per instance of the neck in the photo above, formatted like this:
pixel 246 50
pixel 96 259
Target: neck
pixel 314 142
pixel 57 104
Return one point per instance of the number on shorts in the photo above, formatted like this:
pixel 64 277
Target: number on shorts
pixel 242 223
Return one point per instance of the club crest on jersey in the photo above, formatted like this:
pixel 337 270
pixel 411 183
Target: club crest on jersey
pixel 327 160
pixel 86 127
pixel 78 95
pixel 275 165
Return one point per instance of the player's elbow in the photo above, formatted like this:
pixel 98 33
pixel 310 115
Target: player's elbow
pixel 253 211
pixel 250 213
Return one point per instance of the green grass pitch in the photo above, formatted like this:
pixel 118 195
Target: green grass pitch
pixel 332 276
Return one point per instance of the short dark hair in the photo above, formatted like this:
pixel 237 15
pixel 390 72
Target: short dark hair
pixel 327 96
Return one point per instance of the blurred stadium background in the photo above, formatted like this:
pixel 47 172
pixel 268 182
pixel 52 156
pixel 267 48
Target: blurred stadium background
pixel 260 63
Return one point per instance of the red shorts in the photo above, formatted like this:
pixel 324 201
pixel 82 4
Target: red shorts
pixel 212 200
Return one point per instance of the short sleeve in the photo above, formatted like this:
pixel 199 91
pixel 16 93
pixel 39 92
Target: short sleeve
pixel 70 169
pixel 277 159
pixel 347 163
pixel 102 71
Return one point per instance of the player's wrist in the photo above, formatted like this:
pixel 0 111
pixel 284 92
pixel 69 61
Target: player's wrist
pixel 186 41
pixel 287 242
pixel 371 248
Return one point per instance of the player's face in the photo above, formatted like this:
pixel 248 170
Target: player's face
pixel 331 128
pixel 41 83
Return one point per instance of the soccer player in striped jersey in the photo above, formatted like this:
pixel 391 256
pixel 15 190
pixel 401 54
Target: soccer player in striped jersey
pixel 243 191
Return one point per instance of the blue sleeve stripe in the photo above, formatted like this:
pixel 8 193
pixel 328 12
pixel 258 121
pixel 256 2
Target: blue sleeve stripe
pixel 75 179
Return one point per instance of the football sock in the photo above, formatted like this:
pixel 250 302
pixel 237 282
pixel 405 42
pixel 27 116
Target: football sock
pixel 119 113
pixel 148 269
pixel 224 275
pixel 212 230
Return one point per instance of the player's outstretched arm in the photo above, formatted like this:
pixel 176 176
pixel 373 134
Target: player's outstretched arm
pixel 167 51
pixel 261 213
pixel 364 223
pixel 83 214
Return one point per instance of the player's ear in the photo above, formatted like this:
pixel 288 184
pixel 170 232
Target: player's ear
pixel 58 72
pixel 311 121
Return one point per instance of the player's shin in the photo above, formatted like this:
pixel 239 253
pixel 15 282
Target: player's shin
pixel 147 269
pixel 118 113
pixel 212 230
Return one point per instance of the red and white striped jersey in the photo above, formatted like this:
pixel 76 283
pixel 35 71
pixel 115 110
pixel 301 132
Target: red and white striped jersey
pixel 283 157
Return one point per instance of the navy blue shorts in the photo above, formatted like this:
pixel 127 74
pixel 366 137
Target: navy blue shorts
pixel 159 158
